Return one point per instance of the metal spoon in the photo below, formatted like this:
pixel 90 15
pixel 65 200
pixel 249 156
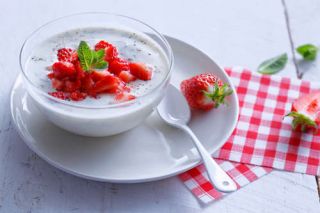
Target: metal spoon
pixel 175 111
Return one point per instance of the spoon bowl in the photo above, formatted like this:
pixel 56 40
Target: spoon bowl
pixel 175 111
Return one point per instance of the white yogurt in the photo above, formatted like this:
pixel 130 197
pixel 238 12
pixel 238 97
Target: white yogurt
pixel 82 120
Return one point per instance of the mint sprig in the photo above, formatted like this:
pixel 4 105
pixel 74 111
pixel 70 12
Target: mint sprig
pixel 90 59
pixel 273 65
pixel 308 51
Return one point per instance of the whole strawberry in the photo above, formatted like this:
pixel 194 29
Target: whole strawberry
pixel 205 91
pixel 305 112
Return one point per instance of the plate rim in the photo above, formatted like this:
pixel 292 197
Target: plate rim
pixel 29 141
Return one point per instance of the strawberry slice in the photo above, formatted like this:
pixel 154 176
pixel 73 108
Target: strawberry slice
pixel 98 75
pixel 108 84
pixel 205 91
pixel 77 96
pixel 63 69
pixel 124 96
pixel 87 83
pixel 305 112
pixel 67 54
pixel 118 65
pixel 57 84
pixel 71 86
pixel 59 95
pixel 126 76
pixel 141 71
pixel 110 51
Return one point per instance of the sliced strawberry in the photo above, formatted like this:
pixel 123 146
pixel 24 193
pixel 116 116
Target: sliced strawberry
pixel 57 84
pixel 124 96
pixel 51 75
pixel 59 95
pixel 87 83
pixel 126 76
pixel 80 72
pixel 118 65
pixel 71 86
pixel 67 54
pixel 110 51
pixel 101 45
pixel 98 75
pixel 108 84
pixel 141 71
pixel 63 69
pixel 77 96
pixel 205 91
pixel 306 112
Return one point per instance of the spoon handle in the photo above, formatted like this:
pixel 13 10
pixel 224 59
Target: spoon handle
pixel 219 178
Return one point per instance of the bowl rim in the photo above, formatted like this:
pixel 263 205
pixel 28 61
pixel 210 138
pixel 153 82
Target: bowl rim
pixel 115 105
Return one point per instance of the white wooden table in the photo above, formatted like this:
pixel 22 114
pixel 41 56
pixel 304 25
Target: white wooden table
pixel 232 32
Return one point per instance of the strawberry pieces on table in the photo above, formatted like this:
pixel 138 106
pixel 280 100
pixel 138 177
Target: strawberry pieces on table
pixel 84 72
pixel 205 91
pixel 305 112
pixel 141 71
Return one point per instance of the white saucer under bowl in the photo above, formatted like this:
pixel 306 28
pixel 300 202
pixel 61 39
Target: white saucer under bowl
pixel 148 152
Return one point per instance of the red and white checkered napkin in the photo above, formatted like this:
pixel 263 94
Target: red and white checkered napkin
pixel 197 180
pixel 262 136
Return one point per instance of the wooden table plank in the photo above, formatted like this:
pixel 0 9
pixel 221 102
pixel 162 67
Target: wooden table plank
pixel 232 32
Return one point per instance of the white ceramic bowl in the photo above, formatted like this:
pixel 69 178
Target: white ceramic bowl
pixel 91 120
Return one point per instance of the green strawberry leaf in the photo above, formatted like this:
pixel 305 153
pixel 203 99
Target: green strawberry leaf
pixel 308 51
pixel 273 65
pixel 85 56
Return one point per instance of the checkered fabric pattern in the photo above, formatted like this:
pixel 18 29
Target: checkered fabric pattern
pixel 263 138
pixel 197 180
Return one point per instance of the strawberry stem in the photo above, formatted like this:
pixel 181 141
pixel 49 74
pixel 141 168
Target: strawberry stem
pixel 301 120
pixel 219 93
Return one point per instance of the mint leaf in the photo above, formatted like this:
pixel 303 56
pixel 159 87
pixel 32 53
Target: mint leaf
pixel 273 65
pixel 99 55
pixel 89 58
pixel 308 51
pixel 101 65
pixel 85 56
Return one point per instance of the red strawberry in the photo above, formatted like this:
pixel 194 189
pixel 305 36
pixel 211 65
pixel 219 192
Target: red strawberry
pixel 59 95
pixel 67 54
pixel 77 96
pixel 57 84
pixel 51 75
pixel 63 69
pixel 126 76
pixel 118 65
pixel 98 75
pixel 205 91
pixel 110 51
pixel 107 84
pixel 87 83
pixel 71 86
pixel 124 96
pixel 141 71
pixel 101 45
pixel 80 72
pixel 306 112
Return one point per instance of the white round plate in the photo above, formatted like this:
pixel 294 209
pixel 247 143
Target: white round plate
pixel 148 152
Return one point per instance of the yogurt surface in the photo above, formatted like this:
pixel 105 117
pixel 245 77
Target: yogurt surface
pixel 131 45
